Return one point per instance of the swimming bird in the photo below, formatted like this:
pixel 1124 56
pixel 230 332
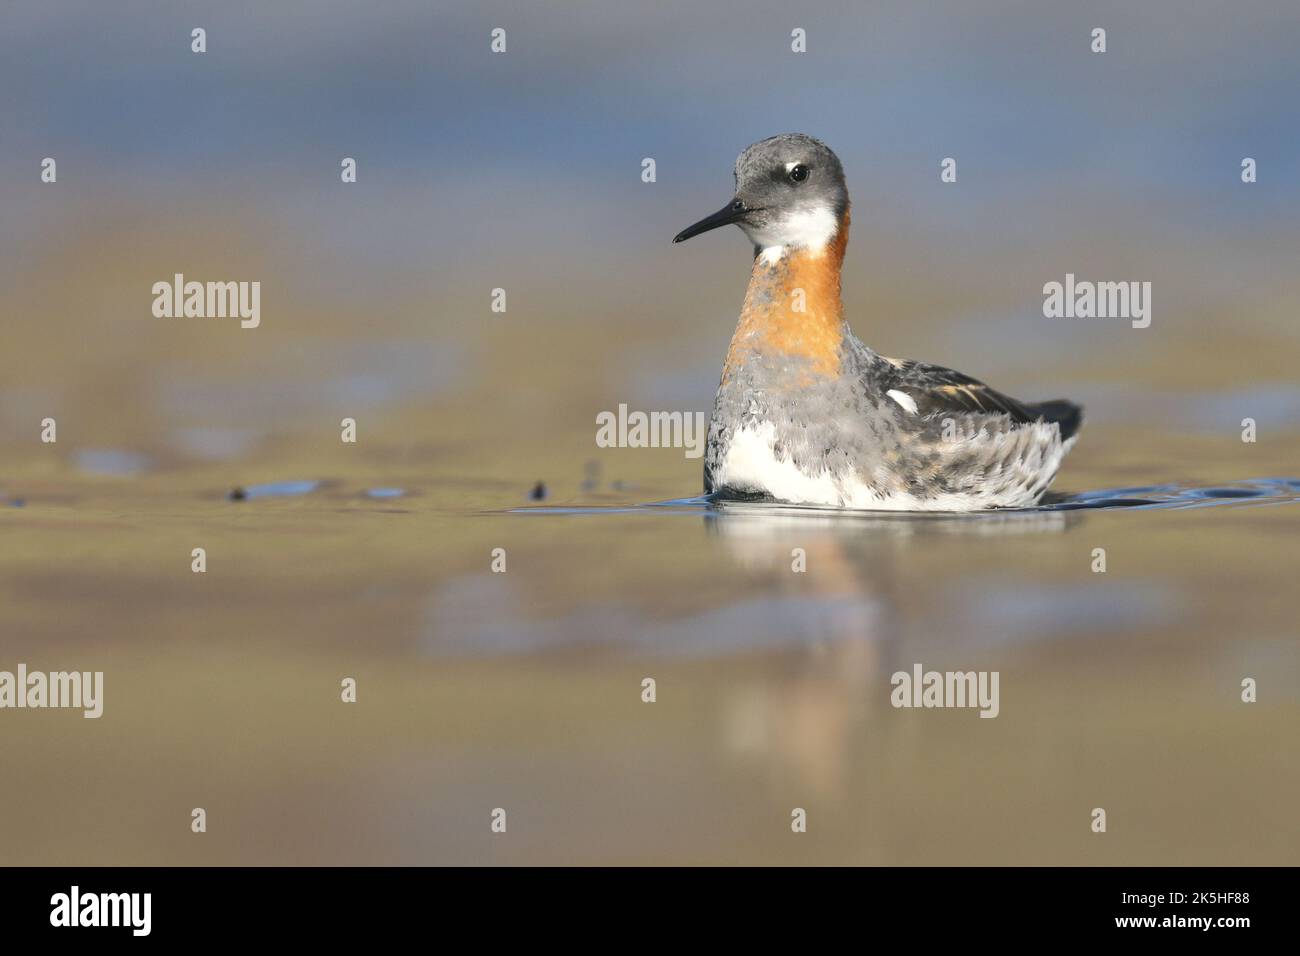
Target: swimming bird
pixel 807 414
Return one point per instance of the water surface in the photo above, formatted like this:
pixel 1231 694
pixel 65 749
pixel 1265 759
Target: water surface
pixel 523 689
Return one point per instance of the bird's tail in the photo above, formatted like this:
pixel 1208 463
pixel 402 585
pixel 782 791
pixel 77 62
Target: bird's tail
pixel 1065 413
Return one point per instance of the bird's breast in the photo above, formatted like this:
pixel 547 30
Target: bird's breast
pixel 792 318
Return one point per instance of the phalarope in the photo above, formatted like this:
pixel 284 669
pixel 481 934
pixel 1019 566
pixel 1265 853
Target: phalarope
pixel 808 414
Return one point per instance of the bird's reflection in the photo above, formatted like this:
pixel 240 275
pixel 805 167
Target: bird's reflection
pixel 813 715
pixel 746 518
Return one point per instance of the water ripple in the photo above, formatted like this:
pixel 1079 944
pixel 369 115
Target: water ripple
pixel 1250 492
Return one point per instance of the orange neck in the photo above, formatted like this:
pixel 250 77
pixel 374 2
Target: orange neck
pixel 793 310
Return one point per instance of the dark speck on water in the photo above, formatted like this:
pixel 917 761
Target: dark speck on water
pixel 274 489
pixel 539 492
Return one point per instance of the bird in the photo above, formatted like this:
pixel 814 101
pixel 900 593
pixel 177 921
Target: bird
pixel 807 414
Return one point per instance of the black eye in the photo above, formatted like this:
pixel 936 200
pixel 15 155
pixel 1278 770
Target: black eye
pixel 798 173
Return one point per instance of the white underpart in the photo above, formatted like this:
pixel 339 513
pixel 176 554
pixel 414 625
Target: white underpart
pixel 907 402
pixel 809 229
pixel 750 464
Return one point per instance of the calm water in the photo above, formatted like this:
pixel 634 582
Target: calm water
pixel 522 689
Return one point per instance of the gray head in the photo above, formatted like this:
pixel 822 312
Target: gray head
pixel 790 193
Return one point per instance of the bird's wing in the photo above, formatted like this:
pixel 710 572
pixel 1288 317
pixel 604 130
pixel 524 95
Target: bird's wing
pixel 937 389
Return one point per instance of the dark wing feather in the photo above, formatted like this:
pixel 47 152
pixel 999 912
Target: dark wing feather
pixel 936 389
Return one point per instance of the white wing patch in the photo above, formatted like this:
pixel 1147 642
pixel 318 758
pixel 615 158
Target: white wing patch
pixel 905 401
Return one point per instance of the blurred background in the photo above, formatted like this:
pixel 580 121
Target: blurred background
pixel 522 171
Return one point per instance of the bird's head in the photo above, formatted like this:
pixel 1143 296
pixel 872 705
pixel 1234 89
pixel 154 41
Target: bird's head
pixel 790 195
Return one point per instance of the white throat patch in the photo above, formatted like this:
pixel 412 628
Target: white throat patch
pixel 811 229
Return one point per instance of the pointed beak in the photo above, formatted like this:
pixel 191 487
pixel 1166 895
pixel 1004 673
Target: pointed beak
pixel 734 211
